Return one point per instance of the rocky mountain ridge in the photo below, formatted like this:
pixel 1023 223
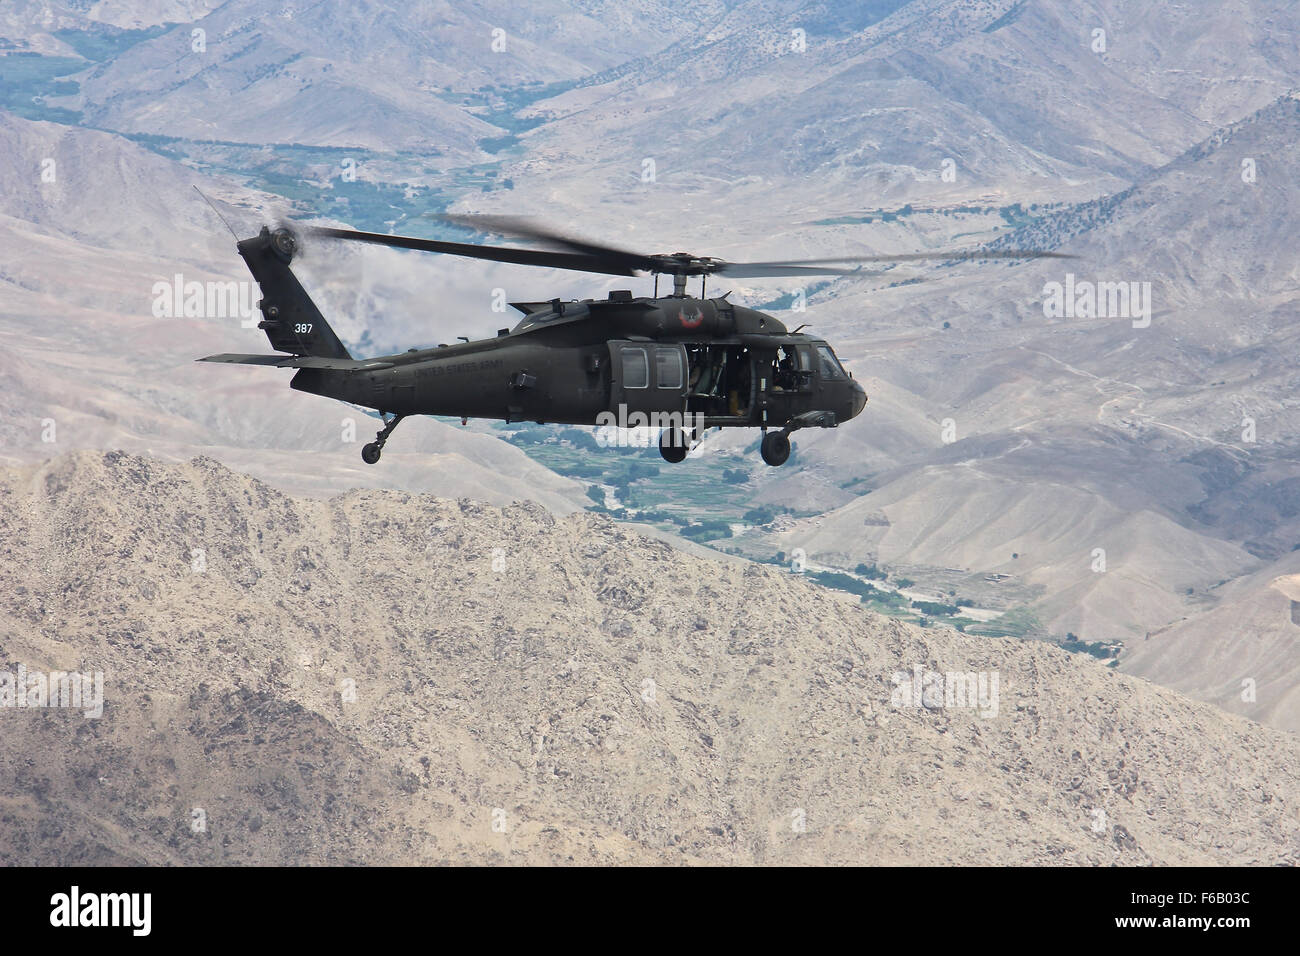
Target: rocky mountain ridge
pixel 388 678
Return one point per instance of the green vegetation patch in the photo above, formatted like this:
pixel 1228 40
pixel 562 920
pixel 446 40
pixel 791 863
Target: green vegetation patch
pixel 103 43
pixel 28 79
pixel 1017 622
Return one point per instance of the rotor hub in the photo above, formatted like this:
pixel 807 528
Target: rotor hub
pixel 685 264
pixel 285 243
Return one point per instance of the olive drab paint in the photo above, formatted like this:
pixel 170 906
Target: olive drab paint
pixel 713 363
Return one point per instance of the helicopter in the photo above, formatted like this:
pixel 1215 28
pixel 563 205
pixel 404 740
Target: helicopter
pixel 680 363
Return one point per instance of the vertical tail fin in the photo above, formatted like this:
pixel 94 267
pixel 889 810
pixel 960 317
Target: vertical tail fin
pixel 289 316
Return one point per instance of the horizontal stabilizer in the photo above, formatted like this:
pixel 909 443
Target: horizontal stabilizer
pixel 298 361
pixel 528 308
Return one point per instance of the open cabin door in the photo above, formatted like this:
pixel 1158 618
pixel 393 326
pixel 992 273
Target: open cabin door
pixel 647 376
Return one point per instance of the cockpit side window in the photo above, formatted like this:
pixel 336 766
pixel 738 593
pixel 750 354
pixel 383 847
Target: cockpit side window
pixel 830 365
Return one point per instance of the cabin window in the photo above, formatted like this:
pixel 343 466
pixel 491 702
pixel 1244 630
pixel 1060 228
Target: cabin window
pixel 668 368
pixel 636 368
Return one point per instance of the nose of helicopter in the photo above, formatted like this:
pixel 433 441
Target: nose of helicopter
pixel 859 399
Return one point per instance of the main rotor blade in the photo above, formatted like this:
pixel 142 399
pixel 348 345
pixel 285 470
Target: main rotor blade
pixel 759 270
pixel 809 266
pixel 584 256
pixel 525 257
pixel 523 228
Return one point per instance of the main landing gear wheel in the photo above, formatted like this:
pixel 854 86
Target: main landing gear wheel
pixel 775 448
pixel 673 445
pixel 370 452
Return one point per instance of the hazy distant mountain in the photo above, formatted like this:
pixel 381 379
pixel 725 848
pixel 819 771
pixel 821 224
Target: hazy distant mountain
pixel 1018 94
pixel 364 74
pixel 56 26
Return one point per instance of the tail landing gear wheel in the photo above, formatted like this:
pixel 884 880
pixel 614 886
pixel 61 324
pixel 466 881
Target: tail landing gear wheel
pixel 673 445
pixel 775 448
pixel 371 452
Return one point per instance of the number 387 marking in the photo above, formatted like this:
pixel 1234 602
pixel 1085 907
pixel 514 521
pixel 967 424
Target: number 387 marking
pixel 302 327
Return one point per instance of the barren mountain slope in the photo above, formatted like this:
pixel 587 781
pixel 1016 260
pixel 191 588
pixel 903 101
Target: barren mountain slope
pixel 1241 654
pixel 595 695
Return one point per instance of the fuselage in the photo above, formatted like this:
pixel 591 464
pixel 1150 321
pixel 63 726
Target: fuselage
pixel 579 362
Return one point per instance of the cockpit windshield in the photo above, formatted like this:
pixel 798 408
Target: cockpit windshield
pixel 830 365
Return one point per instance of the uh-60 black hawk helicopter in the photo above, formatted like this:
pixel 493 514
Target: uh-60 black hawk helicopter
pixel 683 364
